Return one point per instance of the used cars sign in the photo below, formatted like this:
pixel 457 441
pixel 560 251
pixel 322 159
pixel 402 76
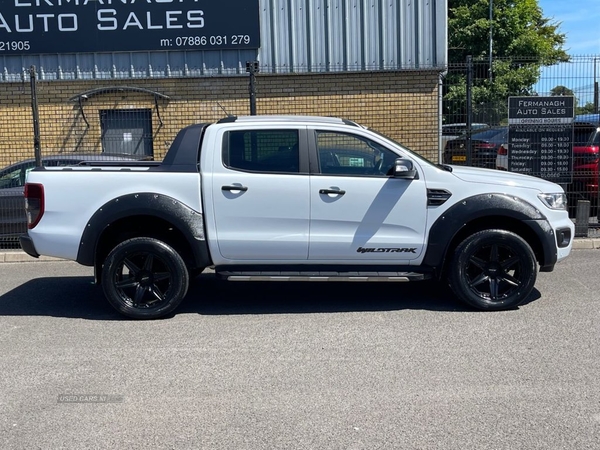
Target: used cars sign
pixel 80 26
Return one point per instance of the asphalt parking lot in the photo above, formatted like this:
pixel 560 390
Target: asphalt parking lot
pixel 302 366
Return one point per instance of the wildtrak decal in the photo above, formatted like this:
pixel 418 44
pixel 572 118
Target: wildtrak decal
pixel 386 250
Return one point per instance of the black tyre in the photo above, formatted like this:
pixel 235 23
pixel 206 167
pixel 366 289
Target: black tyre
pixel 144 278
pixel 493 270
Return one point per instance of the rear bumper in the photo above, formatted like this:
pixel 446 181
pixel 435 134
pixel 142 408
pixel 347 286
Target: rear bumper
pixel 27 246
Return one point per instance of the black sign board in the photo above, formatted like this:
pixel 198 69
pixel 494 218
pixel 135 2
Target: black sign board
pixel 81 26
pixel 540 137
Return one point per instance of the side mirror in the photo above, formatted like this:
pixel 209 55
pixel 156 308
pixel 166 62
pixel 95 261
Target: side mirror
pixel 403 168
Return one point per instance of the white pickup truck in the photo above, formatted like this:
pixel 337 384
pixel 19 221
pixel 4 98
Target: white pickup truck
pixel 289 198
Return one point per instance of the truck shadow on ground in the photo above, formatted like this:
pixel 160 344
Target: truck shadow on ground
pixel 78 297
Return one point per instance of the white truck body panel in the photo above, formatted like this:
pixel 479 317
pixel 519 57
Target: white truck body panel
pixel 67 210
pixel 374 212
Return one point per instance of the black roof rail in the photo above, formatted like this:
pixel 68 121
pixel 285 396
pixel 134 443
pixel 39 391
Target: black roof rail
pixel 351 123
pixel 227 119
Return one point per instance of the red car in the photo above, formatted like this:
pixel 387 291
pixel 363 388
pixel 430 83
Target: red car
pixel 586 157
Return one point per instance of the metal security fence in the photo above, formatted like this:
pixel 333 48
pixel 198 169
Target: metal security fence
pixel 457 117
pixel 550 130
pixel 138 119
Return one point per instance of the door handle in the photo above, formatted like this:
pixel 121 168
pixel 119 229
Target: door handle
pixel 332 191
pixel 234 188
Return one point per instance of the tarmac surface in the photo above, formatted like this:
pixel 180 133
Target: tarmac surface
pixel 327 366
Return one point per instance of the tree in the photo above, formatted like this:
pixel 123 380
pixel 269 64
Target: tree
pixel 565 91
pixel 519 31
pixel 523 41
pixel 588 108
pixel 561 90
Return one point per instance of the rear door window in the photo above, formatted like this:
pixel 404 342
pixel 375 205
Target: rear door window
pixel 262 150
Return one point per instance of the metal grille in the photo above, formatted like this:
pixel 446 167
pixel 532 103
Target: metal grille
pixel 139 118
pixel 476 131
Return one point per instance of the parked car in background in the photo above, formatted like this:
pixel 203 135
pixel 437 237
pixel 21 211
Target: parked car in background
pixel 13 221
pixel 484 148
pixel 502 157
pixel 586 159
pixel 455 130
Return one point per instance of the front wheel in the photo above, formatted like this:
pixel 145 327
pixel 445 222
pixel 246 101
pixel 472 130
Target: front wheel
pixel 493 270
pixel 144 278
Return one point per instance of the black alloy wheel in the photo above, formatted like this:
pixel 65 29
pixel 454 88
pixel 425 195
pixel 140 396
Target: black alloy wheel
pixel 493 270
pixel 144 278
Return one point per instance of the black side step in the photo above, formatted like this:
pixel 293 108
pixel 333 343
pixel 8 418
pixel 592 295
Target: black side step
pixel 321 276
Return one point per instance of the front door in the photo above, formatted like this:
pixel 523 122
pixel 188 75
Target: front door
pixel 359 213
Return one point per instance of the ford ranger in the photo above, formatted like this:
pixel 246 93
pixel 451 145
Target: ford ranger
pixel 288 198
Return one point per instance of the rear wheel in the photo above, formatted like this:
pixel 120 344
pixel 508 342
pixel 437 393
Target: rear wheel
pixel 493 270
pixel 144 278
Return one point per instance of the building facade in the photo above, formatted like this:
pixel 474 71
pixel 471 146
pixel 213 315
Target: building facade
pixel 125 76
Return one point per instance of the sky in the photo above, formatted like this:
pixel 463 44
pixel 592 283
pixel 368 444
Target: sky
pixel 580 22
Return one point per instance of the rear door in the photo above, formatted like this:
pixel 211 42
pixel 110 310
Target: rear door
pixel 359 213
pixel 260 194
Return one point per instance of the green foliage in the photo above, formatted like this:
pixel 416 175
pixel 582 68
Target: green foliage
pixel 588 108
pixel 561 90
pixel 519 30
pixel 523 41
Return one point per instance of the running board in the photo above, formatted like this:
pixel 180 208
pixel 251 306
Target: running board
pixel 324 276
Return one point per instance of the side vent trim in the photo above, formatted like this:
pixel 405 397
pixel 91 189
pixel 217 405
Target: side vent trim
pixel 437 197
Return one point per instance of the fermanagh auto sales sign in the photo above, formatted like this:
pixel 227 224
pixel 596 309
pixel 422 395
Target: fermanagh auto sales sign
pixel 80 26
